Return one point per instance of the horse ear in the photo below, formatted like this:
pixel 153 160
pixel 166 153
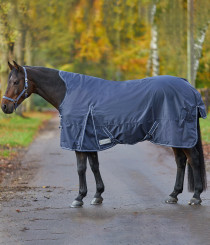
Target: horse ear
pixel 10 65
pixel 17 67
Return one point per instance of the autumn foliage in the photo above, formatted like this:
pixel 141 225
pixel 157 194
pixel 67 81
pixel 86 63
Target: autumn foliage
pixel 118 40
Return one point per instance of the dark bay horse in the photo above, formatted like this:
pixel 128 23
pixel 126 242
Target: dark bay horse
pixel 23 81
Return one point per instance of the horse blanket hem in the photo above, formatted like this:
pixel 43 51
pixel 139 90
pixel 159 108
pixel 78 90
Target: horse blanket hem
pixel 97 114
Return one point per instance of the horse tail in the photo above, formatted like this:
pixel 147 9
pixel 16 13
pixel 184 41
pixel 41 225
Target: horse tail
pixel 199 148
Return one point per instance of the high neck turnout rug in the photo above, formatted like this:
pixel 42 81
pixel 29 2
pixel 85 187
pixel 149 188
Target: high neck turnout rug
pixel 97 114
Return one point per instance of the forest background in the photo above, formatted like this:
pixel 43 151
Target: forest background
pixel 112 39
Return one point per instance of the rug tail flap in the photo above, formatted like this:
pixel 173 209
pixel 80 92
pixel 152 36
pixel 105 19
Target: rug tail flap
pixel 202 111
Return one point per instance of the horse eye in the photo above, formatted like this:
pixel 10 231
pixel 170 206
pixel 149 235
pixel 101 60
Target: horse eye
pixel 16 82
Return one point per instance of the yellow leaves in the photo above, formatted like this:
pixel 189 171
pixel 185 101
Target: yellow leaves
pixel 131 3
pixel 135 64
pixel 119 25
pixel 98 5
pixel 5 7
pixel 93 41
pixel 67 67
pixel 124 42
pixel 132 59
pixel 79 24
pixel 32 11
pixel 79 13
pixel 89 48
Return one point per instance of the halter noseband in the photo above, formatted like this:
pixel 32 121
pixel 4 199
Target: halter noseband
pixel 20 95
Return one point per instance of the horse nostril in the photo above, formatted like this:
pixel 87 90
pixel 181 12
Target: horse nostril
pixel 4 107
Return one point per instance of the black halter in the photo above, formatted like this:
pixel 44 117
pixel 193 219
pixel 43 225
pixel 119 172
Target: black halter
pixel 20 95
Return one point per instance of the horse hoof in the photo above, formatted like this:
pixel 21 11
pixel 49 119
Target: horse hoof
pixel 77 204
pixel 171 200
pixel 96 201
pixel 195 201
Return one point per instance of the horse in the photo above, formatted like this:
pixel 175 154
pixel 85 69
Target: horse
pixel 46 82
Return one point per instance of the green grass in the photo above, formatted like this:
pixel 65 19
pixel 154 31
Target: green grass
pixel 6 153
pixel 205 129
pixel 17 132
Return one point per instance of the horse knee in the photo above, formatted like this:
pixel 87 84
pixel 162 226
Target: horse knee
pixel 81 170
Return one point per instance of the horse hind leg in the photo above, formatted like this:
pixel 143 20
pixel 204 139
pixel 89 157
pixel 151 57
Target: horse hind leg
pixel 94 164
pixel 197 181
pixel 180 159
pixel 197 170
pixel 81 169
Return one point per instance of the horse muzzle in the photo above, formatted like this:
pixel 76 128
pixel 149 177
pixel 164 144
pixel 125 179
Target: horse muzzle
pixel 7 108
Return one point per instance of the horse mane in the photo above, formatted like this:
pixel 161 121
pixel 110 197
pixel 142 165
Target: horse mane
pixel 41 68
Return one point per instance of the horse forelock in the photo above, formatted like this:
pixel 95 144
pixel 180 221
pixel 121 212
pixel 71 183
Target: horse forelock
pixel 13 71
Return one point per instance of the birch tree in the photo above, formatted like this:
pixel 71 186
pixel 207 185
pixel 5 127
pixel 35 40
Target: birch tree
pixel 190 43
pixel 153 61
pixel 198 45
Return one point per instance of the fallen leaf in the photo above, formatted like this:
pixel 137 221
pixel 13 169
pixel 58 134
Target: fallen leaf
pixel 47 197
pixel 24 229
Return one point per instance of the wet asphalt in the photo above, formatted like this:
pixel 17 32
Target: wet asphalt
pixel 35 208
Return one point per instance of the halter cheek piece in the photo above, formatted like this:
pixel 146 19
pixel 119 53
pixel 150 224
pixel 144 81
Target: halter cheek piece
pixel 20 95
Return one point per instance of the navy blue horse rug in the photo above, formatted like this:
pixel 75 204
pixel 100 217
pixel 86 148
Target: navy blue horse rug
pixel 97 114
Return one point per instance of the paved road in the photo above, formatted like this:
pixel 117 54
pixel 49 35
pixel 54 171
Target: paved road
pixel 35 207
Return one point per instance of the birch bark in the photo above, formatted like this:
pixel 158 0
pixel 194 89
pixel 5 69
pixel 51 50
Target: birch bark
pixel 153 61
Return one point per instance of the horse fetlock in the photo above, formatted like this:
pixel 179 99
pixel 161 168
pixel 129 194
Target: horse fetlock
pixel 82 194
pixel 177 191
pixel 100 188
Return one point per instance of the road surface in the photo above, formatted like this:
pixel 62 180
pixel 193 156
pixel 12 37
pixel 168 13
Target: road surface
pixel 35 207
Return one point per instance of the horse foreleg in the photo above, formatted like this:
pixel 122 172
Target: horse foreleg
pixel 81 169
pixel 193 159
pixel 94 164
pixel 180 159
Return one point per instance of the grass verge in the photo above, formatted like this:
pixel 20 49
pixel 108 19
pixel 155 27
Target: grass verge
pixel 205 129
pixel 17 132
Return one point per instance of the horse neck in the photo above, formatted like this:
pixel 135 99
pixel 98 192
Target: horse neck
pixel 47 83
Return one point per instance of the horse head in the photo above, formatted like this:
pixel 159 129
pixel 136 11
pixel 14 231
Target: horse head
pixel 18 88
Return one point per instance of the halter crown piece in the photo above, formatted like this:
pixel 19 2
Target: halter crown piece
pixel 20 95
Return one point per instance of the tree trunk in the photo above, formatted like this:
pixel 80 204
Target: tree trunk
pixel 28 61
pixel 3 69
pixel 153 61
pixel 198 45
pixel 19 49
pixel 190 43
pixel 118 39
pixel 4 51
